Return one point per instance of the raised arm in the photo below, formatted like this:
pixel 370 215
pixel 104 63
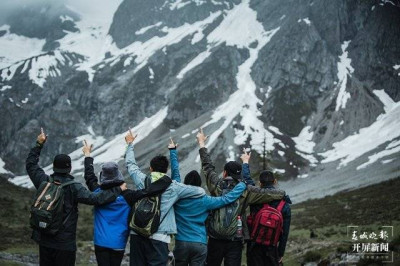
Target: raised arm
pixel 90 177
pixel 217 202
pixel 83 195
pixel 35 172
pixel 134 171
pixel 258 195
pixel 207 166
pixel 173 155
pixel 246 168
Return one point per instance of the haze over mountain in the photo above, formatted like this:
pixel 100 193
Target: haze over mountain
pixel 319 80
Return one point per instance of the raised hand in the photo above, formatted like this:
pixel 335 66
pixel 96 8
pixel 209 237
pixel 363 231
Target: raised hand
pixel 87 149
pixel 171 144
pixel 245 157
pixel 41 139
pixel 130 137
pixel 123 187
pixel 201 138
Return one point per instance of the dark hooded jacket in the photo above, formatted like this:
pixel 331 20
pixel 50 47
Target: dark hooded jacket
pixel 75 193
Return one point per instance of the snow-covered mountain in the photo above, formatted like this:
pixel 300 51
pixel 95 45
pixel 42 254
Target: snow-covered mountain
pixel 319 81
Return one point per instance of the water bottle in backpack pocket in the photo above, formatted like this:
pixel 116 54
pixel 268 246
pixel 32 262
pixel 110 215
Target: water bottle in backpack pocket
pixel 48 207
pixel 266 226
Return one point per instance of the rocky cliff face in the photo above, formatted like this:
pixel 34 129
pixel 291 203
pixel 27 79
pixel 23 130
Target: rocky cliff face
pixel 318 80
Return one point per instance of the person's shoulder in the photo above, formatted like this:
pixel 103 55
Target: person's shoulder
pixel 287 199
pixel 180 185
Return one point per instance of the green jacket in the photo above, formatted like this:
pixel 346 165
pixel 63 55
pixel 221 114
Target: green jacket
pixel 253 194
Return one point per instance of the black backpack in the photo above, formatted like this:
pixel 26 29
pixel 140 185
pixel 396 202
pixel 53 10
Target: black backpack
pixel 48 207
pixel 145 217
pixel 222 223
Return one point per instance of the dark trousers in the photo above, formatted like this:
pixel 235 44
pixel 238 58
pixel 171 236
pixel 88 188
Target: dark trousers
pixel 260 255
pixel 190 253
pixel 147 252
pixel 108 256
pixel 56 257
pixel 227 250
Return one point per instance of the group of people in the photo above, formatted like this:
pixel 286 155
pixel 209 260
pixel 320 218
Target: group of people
pixel 208 229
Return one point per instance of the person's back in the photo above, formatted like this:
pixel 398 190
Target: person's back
pixel 224 244
pixel 191 216
pixel 111 229
pixel 60 248
pixel 259 254
pixel 154 250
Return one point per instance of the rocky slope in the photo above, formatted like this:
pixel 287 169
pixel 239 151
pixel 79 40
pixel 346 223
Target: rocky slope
pixel 318 80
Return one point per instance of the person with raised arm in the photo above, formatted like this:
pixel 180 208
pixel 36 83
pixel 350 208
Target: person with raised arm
pixel 191 215
pixel 58 245
pixel 111 220
pixel 227 229
pixel 153 250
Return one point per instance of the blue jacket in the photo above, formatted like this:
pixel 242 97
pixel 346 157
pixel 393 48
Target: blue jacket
pixel 111 220
pixel 191 214
pixel 172 194
pixel 111 224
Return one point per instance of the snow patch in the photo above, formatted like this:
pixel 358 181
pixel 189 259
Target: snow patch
pixel 186 135
pixel 144 29
pixel 2 169
pixel 275 130
pixel 344 69
pixel 304 141
pixel 8 73
pixel 14 47
pixel 151 73
pixel 305 20
pixel 231 154
pixel 25 100
pixel 178 4
pixel 305 145
pixel 199 59
pixel 387 161
pixel 384 129
pixel 66 18
pixel 5 87
pixel 44 66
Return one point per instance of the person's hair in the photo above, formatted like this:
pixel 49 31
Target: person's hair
pixel 159 164
pixel 267 178
pixel 193 178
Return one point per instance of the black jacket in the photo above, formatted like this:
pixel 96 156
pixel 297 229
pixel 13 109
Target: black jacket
pixel 65 239
pixel 286 213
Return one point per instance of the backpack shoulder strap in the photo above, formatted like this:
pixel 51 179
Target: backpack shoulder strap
pixel 281 205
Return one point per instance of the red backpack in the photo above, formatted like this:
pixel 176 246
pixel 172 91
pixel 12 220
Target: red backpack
pixel 266 225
